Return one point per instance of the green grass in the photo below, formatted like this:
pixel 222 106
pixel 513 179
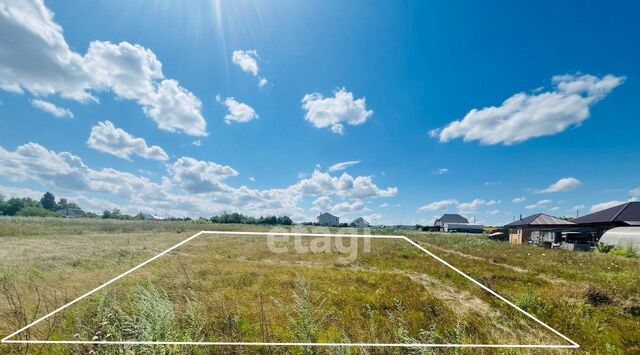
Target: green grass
pixel 236 289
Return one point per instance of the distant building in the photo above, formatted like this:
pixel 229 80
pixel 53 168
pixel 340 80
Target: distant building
pixel 538 228
pixel 449 218
pixel 360 223
pixel 624 215
pixel 327 219
pixel 71 212
pixel 152 217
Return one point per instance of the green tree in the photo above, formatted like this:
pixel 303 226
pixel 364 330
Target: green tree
pixel 48 201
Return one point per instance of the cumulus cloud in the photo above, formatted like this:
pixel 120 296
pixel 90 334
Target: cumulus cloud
pixel 471 206
pixel 34 57
pixel 334 112
pixel 538 204
pixel 438 205
pixel 524 116
pixel 237 111
pixel 248 62
pixel 360 187
pixel 192 187
pixel 493 202
pixel 343 165
pixel 105 137
pixel 564 184
pixel 518 199
pixel 197 176
pixel 51 108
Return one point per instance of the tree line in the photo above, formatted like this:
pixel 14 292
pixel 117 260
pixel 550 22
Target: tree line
pixel 47 206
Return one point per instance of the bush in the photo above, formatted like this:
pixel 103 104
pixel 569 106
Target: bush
pixel 36 211
pixel 604 248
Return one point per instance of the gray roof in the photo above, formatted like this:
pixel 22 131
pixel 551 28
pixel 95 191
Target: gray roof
pixel 453 218
pixel 626 212
pixel 327 214
pixel 540 219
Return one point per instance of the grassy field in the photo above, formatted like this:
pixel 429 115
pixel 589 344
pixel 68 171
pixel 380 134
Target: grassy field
pixel 238 289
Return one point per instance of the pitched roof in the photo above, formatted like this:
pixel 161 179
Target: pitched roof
pixel 453 218
pixel 327 214
pixel 539 219
pixel 629 211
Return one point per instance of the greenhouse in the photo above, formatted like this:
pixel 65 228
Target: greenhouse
pixel 622 237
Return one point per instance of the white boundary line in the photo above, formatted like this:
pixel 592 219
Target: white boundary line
pixel 573 344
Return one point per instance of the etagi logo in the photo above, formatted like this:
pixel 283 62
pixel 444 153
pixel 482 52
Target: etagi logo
pixel 346 246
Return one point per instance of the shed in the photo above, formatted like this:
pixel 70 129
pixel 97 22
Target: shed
pixel 622 237
pixel 538 228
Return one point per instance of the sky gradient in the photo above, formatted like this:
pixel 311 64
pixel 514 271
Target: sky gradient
pixel 395 111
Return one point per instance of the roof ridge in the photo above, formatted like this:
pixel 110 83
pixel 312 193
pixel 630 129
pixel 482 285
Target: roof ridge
pixel 624 207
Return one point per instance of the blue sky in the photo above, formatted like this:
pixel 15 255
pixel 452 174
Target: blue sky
pixel 203 107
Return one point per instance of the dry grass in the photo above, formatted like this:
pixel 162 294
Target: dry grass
pixel 236 289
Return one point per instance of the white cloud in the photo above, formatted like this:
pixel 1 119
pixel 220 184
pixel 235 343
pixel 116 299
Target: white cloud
pixel 438 205
pixel 52 109
pixel 494 212
pixel 441 171
pixel 564 184
pixel 538 204
pixel 246 60
pixel 604 205
pixel 105 137
pixel 323 203
pixel 346 207
pixel 192 188
pixel 36 58
pixel 360 187
pixel 196 143
pixel 471 206
pixel 343 165
pixel 251 178
pixel 635 192
pixel 237 111
pixel 518 199
pixel 524 116
pixel 334 112
pixel 493 202
pixel 555 208
pixel 198 176
pixel 383 205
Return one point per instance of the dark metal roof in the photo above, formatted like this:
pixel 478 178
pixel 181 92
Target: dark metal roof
pixel 629 211
pixel 539 219
pixel 453 218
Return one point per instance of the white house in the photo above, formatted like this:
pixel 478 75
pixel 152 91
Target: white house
pixel 327 219
pixel 360 223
